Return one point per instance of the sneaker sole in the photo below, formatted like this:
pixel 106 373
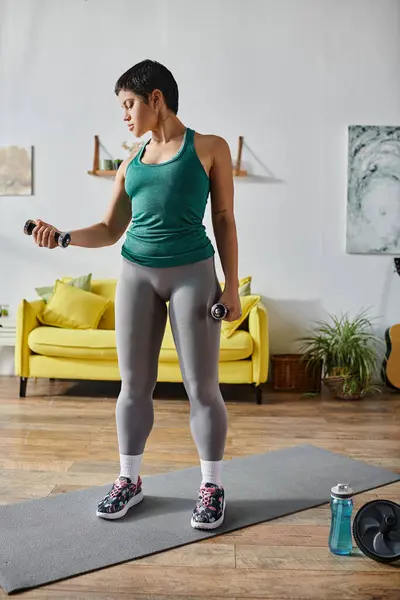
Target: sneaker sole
pixel 197 525
pixel 121 513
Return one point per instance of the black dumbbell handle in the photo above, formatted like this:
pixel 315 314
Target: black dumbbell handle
pixel 62 239
pixel 219 311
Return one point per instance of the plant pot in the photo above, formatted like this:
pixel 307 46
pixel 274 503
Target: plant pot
pixel 335 386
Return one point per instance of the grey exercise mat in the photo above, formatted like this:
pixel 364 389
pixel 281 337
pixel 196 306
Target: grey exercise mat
pixel 53 538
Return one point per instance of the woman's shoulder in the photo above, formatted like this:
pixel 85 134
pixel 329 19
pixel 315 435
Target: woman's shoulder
pixel 209 142
pixel 209 138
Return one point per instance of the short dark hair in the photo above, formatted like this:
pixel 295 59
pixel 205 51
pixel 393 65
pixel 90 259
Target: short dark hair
pixel 149 75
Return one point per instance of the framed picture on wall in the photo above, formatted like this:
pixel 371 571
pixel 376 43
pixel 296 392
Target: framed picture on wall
pixel 373 190
pixel 16 176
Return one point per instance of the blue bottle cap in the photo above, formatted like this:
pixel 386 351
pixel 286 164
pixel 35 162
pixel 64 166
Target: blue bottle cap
pixel 342 490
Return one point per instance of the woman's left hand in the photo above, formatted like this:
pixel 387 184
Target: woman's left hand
pixel 230 298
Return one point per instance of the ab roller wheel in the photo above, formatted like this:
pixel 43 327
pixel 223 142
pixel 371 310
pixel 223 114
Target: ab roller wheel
pixel 376 530
pixel 62 239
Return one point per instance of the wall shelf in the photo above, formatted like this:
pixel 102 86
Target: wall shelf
pixel 103 173
pixel 97 172
pixel 237 171
pixel 96 162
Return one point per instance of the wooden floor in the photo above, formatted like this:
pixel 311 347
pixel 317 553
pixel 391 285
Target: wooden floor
pixel 62 437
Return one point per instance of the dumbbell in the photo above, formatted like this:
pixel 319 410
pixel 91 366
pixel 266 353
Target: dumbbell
pixel 62 239
pixel 219 311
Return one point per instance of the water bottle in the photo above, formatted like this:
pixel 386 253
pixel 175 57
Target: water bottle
pixel 340 536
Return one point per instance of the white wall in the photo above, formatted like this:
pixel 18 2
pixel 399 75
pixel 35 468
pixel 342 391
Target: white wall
pixel 289 75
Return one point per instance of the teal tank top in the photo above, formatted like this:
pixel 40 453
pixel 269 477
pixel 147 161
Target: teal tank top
pixel 168 205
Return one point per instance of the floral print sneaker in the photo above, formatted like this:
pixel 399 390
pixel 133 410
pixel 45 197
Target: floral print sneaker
pixel 210 507
pixel 123 495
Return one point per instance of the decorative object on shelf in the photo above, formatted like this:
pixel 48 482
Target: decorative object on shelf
pixel 349 351
pixel 16 171
pixel 133 147
pixel 373 206
pixel 108 166
pixel 290 372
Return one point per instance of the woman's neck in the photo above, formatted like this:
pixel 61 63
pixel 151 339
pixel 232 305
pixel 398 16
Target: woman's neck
pixel 168 128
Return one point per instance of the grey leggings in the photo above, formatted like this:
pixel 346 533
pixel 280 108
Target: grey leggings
pixel 141 314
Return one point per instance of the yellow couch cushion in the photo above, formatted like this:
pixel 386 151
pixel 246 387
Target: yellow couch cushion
pixel 73 343
pixel 84 282
pixel 71 307
pixel 100 344
pixel 105 288
pixel 238 347
pixel 247 302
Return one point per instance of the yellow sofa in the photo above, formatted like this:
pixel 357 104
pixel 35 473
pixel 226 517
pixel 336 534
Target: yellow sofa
pixel 90 354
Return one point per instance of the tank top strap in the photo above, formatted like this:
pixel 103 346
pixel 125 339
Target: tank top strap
pixel 135 160
pixel 190 133
pixel 190 136
pixel 139 154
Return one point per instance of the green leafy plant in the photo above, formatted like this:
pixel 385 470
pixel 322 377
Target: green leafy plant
pixel 348 351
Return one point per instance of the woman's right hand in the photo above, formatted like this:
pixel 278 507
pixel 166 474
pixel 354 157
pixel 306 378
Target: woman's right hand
pixel 44 235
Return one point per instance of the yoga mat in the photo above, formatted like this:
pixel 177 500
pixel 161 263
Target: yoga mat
pixel 54 538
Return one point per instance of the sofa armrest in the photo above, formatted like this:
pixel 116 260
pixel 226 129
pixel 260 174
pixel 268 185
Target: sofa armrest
pixel 26 321
pixel 258 329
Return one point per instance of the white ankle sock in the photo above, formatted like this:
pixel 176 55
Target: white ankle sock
pixel 211 471
pixel 130 466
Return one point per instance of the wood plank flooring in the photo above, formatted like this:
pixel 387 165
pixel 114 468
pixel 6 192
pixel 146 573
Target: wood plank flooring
pixel 62 437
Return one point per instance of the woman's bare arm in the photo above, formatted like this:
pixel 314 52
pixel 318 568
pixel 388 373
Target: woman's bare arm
pixel 222 212
pixel 105 233
pixel 114 223
pixel 224 225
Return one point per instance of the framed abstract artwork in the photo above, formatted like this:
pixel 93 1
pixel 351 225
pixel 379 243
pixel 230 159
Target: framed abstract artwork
pixel 16 171
pixel 373 190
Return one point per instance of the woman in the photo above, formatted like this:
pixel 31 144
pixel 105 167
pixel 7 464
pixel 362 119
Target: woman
pixel 162 192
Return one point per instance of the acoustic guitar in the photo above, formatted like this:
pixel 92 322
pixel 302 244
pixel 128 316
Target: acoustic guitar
pixel 392 360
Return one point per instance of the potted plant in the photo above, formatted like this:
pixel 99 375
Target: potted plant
pixel 349 351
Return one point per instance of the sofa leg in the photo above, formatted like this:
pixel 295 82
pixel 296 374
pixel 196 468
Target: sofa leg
pixel 258 394
pixel 22 386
